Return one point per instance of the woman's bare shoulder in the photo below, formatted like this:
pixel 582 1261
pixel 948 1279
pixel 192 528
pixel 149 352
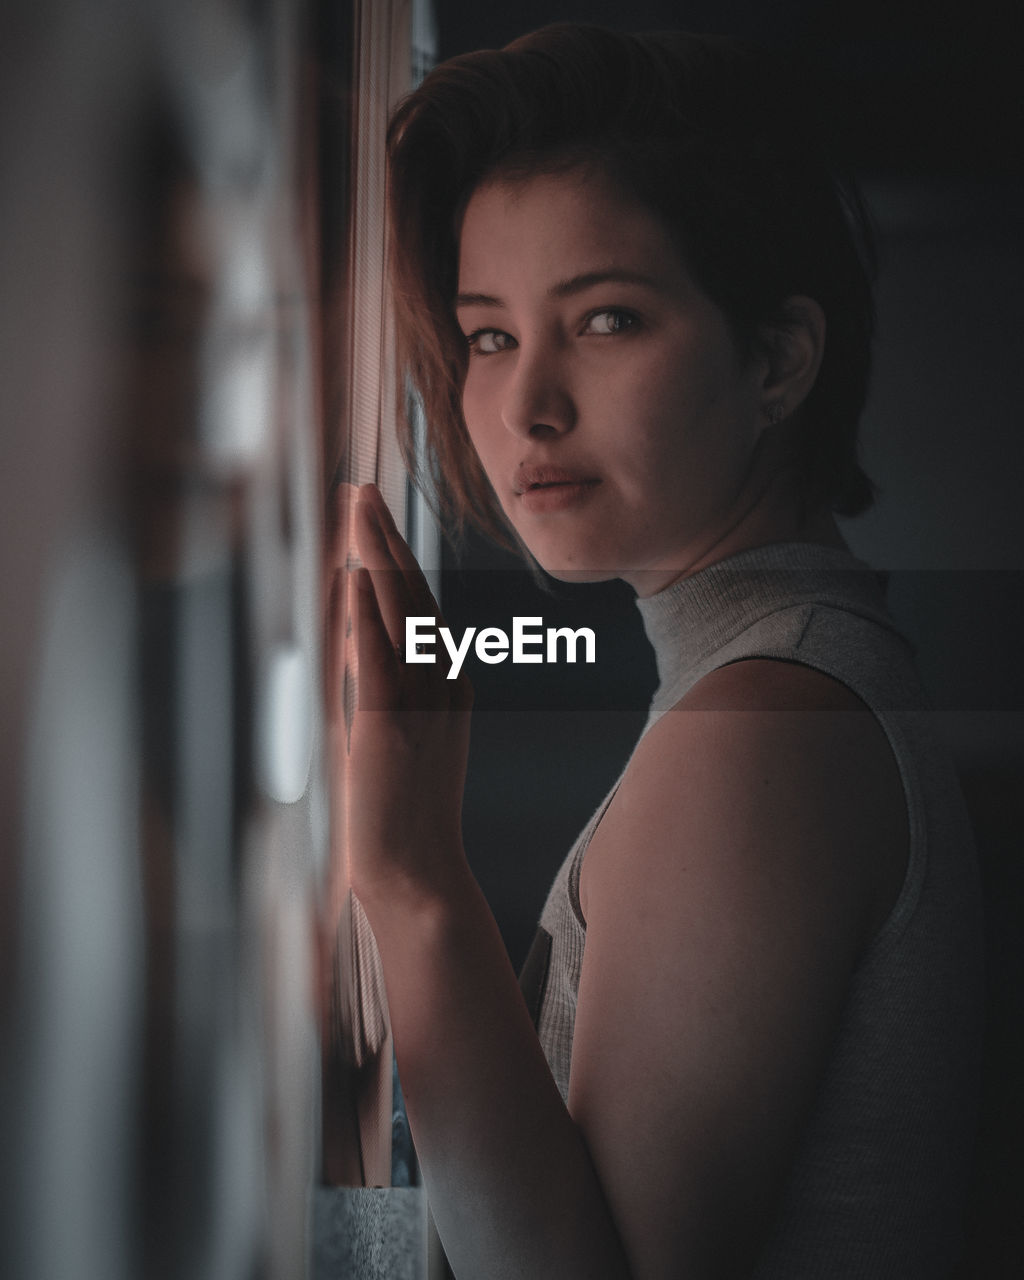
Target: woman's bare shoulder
pixel 772 764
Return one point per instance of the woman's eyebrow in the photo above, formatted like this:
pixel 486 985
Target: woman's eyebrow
pixel 477 300
pixel 588 279
pixel 567 288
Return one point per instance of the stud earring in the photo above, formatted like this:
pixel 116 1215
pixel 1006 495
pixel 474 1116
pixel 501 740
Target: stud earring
pixel 776 412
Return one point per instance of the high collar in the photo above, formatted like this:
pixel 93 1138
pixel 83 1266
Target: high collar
pixel 696 615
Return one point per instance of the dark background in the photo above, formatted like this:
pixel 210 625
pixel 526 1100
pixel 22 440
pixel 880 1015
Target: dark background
pixel 915 87
pixel 925 102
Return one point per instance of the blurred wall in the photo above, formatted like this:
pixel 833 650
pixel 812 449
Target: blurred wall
pixel 164 818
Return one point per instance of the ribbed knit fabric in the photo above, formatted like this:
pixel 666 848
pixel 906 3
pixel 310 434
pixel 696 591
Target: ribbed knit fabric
pixel 878 1185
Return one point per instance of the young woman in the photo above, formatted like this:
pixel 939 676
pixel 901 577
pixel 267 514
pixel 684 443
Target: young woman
pixel 635 305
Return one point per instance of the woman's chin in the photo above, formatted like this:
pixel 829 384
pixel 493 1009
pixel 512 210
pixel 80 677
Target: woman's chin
pixel 578 573
pixel 580 563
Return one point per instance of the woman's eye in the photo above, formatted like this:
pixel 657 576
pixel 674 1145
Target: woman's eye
pixel 489 342
pixel 608 322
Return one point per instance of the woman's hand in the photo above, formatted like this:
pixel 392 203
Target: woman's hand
pixel 405 763
pixel 512 1185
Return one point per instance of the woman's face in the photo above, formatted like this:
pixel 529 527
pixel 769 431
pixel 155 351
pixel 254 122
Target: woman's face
pixel 605 395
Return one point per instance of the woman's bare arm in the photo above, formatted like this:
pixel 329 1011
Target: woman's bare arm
pixel 757 842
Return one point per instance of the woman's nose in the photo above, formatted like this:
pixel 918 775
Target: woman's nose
pixel 537 397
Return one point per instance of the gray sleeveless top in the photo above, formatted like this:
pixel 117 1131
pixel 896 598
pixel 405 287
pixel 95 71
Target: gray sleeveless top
pixel 878 1185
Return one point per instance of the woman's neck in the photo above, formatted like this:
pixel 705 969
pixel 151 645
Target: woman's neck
pixel 770 508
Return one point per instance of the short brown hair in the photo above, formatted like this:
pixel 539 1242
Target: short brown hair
pixel 697 129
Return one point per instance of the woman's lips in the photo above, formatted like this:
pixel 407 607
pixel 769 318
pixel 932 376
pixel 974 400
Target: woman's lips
pixel 548 489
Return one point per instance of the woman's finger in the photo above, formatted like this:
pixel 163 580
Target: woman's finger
pixel 421 599
pixel 391 591
pixel 400 549
pixel 402 591
pixel 378 672
pixel 341 510
pixel 337 635
pixel 400 587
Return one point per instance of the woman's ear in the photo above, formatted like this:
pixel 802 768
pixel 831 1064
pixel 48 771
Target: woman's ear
pixel 793 345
